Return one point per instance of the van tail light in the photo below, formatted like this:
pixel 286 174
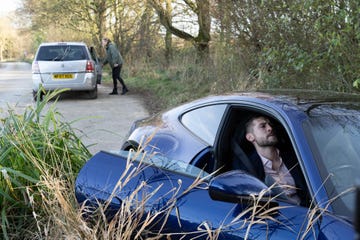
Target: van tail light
pixel 90 66
pixel 35 67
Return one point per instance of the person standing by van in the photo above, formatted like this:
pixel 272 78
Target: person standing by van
pixel 115 60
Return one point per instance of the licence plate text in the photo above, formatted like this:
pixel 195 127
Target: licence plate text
pixel 63 76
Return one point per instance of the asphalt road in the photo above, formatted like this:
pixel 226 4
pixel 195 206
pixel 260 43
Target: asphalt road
pixel 102 123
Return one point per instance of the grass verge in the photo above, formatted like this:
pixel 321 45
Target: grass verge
pixel 39 157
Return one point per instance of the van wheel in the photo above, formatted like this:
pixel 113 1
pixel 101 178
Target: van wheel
pixel 98 79
pixel 93 93
pixel 35 95
pixel 130 145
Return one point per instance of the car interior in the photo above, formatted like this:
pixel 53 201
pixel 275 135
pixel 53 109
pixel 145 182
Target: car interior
pixel 233 149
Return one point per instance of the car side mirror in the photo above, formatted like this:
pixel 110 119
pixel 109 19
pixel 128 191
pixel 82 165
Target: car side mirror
pixel 239 187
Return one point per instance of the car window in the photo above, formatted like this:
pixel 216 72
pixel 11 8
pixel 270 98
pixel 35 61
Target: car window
pixel 336 132
pixel 204 121
pixel 62 53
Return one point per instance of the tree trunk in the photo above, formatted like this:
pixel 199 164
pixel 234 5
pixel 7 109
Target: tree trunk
pixel 168 37
pixel 202 9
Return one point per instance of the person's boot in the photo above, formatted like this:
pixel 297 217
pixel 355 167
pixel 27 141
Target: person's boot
pixel 124 91
pixel 114 92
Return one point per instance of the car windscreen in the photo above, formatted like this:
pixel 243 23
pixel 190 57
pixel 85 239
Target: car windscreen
pixel 336 131
pixel 61 53
pixel 164 163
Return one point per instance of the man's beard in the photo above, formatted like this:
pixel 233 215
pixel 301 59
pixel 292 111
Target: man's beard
pixel 268 142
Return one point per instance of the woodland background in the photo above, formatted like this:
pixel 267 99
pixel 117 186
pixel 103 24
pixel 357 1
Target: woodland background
pixel 209 46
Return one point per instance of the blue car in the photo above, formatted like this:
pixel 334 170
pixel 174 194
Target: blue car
pixel 190 168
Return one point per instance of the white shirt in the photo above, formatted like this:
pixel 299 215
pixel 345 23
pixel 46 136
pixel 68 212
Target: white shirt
pixel 282 177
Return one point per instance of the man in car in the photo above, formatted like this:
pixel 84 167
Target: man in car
pixel 277 167
pixel 114 58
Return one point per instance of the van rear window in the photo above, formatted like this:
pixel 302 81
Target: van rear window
pixel 61 53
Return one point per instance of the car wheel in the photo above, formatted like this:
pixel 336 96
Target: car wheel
pixel 130 145
pixel 35 95
pixel 98 79
pixel 93 93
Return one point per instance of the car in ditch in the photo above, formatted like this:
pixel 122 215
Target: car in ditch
pixel 185 172
pixel 66 65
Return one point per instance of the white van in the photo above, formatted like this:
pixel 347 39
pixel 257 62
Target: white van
pixel 70 65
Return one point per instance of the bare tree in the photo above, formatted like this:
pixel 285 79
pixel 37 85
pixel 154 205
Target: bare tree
pixel 168 36
pixel 130 24
pixel 201 9
pixel 83 20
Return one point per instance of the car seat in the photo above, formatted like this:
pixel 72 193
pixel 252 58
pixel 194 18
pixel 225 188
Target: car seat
pixel 242 150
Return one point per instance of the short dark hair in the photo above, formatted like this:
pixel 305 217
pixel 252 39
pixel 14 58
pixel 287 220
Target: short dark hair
pixel 250 119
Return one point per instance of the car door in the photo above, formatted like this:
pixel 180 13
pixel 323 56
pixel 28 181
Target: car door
pixel 187 202
pixel 98 64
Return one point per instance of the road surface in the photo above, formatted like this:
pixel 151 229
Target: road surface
pixel 102 123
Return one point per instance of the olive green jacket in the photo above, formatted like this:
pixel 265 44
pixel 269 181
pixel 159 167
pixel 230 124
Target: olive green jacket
pixel 113 56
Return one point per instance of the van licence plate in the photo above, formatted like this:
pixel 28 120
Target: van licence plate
pixel 63 76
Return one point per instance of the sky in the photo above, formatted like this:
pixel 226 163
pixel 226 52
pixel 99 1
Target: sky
pixel 7 6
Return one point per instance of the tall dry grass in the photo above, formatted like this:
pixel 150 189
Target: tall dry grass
pixel 39 157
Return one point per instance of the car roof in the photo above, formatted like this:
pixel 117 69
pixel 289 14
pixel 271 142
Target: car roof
pixel 62 43
pixel 303 99
pixel 303 96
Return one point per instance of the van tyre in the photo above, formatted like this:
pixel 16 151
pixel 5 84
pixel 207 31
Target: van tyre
pixel 93 93
pixel 35 95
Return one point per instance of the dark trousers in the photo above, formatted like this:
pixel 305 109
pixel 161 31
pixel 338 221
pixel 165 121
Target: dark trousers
pixel 116 76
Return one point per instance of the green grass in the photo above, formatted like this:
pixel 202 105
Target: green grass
pixel 35 150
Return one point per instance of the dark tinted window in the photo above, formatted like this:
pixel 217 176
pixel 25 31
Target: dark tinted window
pixel 204 121
pixel 62 53
pixel 93 54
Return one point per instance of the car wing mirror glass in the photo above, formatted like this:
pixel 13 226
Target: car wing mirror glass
pixel 239 187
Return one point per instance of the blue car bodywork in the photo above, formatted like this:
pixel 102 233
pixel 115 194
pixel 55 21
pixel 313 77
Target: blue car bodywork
pixel 192 143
